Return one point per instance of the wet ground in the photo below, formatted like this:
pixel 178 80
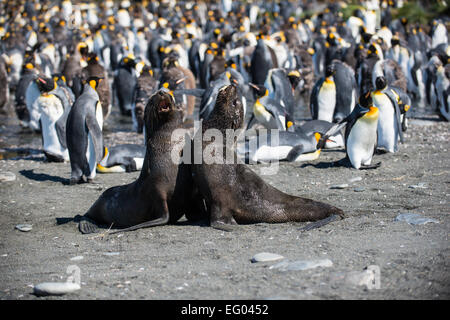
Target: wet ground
pixel 194 261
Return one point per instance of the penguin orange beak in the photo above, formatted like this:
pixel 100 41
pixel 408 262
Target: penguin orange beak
pixel 253 85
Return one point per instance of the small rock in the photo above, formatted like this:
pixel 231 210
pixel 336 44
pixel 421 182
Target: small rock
pixel 339 186
pixel 77 258
pixel 420 185
pixel 7 176
pixel 360 189
pixel 354 179
pixel 302 264
pixel 55 288
pixel 265 257
pixel 111 253
pixel 24 227
pixel 414 218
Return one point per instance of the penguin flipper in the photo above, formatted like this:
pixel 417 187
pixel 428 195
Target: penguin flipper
pixel 314 104
pixel 60 127
pixel 295 152
pixel 251 122
pixel 97 137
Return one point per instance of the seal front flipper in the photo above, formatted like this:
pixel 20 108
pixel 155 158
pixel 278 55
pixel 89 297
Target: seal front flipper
pixel 87 225
pixel 222 219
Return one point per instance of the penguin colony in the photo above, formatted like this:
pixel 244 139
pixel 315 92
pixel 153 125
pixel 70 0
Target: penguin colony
pixel 66 65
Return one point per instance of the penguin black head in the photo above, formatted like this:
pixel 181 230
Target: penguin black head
pixel 365 100
pixel 147 70
pixel 331 70
pixel 92 58
pixel 259 90
pixel 45 84
pixel 59 77
pixel 94 81
pixel 372 51
pixel 294 78
pixel 395 41
pixel 129 61
pixel 380 83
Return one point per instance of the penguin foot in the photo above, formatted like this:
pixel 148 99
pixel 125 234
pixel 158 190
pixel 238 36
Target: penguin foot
pixel 321 223
pixel 87 226
pixel 74 181
pixel 370 166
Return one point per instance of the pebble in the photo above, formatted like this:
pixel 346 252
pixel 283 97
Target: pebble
pixel 24 227
pixel 339 186
pixel 414 218
pixel 111 253
pixel 302 264
pixel 354 179
pixel 265 257
pixel 55 288
pixel 77 258
pixel 420 185
pixel 7 176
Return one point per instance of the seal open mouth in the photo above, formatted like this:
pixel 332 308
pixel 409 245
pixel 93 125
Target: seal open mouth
pixel 165 102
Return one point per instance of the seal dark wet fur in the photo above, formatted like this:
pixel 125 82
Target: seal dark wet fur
pixel 235 194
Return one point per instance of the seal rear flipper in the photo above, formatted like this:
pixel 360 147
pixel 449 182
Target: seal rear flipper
pixel 87 226
pixel 321 223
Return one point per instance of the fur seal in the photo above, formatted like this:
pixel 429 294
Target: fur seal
pixel 159 196
pixel 235 194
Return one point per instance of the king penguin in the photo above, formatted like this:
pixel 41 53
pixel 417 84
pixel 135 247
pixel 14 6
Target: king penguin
pixel 323 96
pixel 84 133
pixel 51 110
pixel 361 133
pixel 389 122
pixel 125 84
pixel 145 87
pixel 268 112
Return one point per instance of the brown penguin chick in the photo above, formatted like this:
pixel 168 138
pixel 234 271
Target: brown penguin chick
pixel 4 88
pixel 217 65
pixel 234 193
pixel 189 83
pixel 306 68
pixel 173 78
pixel 72 69
pixel 95 69
pixel 145 87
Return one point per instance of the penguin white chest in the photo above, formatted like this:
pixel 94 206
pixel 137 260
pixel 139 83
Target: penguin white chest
pixel 51 110
pixel 362 140
pixel 387 124
pixel 263 116
pixel 326 100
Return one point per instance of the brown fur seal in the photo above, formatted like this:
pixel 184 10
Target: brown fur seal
pixel 235 194
pixel 162 192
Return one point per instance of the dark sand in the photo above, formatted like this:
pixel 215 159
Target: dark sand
pixel 194 261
